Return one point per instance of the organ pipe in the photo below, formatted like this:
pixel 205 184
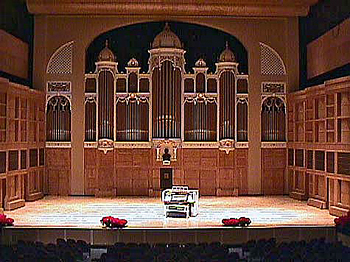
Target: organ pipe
pixel 273 120
pixel 58 119
pixel 227 111
pixel 105 105
pixel 200 121
pixel 166 88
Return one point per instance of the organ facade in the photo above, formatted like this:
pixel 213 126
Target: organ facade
pixel 197 116
pixel 198 119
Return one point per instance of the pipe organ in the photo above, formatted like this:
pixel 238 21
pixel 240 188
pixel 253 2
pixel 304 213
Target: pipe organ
pixel 197 118
pixel 166 102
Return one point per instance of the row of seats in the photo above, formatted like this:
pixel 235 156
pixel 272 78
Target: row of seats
pixel 261 250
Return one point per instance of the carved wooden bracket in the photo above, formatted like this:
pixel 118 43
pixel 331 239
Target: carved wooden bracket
pixel 227 145
pixel 105 145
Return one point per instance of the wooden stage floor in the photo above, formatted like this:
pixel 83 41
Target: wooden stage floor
pixel 147 213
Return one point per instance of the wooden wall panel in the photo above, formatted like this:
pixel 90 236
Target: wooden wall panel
pixel 64 182
pixel 140 187
pixel 14 55
pixel 91 179
pixel 191 158
pixel 226 178
pixel 141 157
pixel 2 194
pixel 226 160
pixel 123 157
pixel 106 174
pixel 178 177
pixel 241 174
pixel 58 170
pixel 273 163
pixel 124 186
pixel 206 185
pixel 329 51
pixel 53 178
pixel 191 177
pixel 345 194
pixel 136 171
pixel 140 181
pixel 34 184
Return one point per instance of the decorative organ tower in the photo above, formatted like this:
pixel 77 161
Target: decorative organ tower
pixel 166 65
pixel 106 68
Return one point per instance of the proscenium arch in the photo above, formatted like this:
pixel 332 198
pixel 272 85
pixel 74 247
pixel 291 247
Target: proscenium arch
pixel 134 40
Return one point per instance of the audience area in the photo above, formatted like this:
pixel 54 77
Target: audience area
pixel 261 250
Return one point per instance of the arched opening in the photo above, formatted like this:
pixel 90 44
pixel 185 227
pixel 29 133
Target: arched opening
pixel 273 120
pixel 58 118
pixel 134 41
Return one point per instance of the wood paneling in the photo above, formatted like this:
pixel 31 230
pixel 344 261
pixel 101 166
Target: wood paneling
pixel 19 182
pixel 58 169
pixel 241 174
pixel 105 173
pixel 136 172
pixel 34 184
pixel 91 180
pixel 273 168
pixel 329 51
pixel 206 185
pixel 14 55
pixel 226 160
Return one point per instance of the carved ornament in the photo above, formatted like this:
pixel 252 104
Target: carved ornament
pixel 200 98
pixel 273 145
pixel 227 145
pixel 132 98
pixel 58 144
pixel 105 145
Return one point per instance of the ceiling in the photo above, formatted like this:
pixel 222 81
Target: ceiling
pixel 257 8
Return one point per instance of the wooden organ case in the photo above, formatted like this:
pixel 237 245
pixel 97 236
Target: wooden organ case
pixel 131 118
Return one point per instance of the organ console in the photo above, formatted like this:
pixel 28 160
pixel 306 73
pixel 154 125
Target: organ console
pixel 179 201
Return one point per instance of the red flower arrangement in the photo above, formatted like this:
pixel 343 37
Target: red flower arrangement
pixel 234 222
pixel 343 221
pixel 4 221
pixel 113 222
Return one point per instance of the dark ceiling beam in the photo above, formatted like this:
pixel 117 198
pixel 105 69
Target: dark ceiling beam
pixel 267 8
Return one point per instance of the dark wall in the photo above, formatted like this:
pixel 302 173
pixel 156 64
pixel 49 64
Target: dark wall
pixel 323 16
pixel 16 20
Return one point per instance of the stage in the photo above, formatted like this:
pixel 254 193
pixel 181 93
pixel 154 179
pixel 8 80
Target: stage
pixel 79 217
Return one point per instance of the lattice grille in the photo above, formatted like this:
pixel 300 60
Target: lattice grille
pixel 271 62
pixel 61 61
